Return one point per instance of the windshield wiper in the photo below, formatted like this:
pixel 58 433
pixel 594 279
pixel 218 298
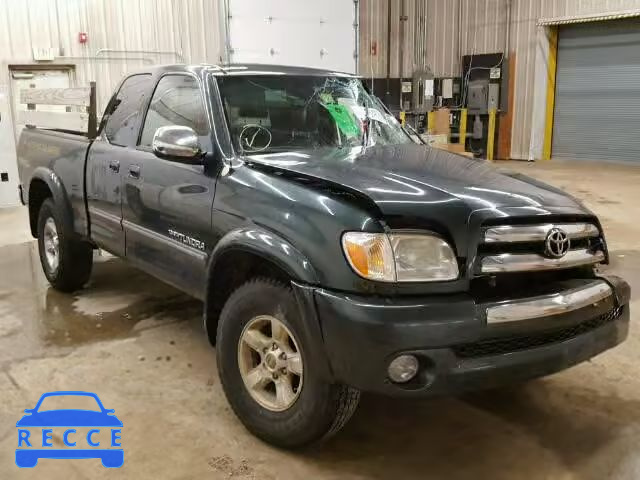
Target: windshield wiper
pixel 413 130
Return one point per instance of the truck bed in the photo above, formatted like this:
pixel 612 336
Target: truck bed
pixel 63 153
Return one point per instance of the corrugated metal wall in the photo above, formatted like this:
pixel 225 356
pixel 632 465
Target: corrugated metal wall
pixel 483 26
pixel 443 40
pixel 462 27
pixel 438 51
pixel 523 34
pixel 187 30
pixel 183 30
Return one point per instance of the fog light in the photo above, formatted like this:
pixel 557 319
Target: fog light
pixel 403 368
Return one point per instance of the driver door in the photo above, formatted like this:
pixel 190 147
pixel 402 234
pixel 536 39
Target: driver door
pixel 166 203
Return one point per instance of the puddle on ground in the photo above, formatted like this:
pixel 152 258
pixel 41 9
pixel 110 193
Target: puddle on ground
pixel 63 324
pixel 118 302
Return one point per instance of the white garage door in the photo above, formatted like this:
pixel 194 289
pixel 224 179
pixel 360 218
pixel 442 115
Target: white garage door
pixel 597 108
pixel 293 32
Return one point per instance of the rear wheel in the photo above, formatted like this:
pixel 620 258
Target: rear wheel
pixel 66 262
pixel 270 382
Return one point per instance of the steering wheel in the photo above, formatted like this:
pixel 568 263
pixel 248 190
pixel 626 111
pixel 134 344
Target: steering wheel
pixel 252 134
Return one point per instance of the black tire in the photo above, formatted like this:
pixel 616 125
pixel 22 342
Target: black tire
pixel 75 257
pixel 321 408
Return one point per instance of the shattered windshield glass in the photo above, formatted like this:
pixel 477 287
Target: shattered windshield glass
pixel 290 112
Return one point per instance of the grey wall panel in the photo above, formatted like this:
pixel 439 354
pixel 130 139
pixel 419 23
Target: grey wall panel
pixel 373 35
pixel 484 26
pixel 373 38
pixel 522 43
pixel 435 45
pixel 442 37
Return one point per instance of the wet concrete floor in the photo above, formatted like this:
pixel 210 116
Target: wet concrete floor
pixel 139 344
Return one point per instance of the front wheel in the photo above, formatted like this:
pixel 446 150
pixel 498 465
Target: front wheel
pixel 269 380
pixel 66 262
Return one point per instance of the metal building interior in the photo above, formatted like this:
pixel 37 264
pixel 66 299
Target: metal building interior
pixel 544 88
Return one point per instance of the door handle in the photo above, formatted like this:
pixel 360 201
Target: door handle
pixel 114 166
pixel 134 171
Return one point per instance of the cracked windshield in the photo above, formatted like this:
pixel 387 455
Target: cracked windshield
pixel 274 114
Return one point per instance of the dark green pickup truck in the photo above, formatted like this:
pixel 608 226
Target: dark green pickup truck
pixel 333 254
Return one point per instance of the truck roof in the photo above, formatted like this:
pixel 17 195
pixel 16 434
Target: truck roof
pixel 239 69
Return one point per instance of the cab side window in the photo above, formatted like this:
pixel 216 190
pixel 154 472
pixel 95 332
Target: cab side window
pixel 176 101
pixel 122 125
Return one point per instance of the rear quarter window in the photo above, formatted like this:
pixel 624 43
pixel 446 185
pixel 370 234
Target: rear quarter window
pixel 122 123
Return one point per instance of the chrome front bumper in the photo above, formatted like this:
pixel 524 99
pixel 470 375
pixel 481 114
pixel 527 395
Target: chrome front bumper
pixel 548 305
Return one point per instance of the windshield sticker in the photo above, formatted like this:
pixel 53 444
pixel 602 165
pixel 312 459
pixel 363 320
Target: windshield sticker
pixel 372 113
pixel 345 120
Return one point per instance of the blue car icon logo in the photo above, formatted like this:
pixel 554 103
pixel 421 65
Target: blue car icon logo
pixel 94 428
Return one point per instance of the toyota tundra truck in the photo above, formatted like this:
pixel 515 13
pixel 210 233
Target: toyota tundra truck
pixel 334 254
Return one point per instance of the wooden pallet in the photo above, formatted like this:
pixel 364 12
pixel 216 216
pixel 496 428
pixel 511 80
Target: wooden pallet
pixel 83 120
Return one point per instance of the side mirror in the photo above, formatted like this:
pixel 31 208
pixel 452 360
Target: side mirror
pixel 177 143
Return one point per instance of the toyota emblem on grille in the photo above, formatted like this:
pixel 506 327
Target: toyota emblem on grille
pixel 557 243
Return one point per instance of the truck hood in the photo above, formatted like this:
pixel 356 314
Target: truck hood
pixel 407 179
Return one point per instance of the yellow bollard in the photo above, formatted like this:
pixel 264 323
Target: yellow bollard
pixel 552 67
pixel 403 117
pixel 463 127
pixel 491 134
pixel 431 120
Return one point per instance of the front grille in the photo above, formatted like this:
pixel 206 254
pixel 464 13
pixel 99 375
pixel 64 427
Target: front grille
pixel 534 247
pixel 506 249
pixel 497 346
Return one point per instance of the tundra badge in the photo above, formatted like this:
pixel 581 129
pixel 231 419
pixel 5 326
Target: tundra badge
pixel 187 240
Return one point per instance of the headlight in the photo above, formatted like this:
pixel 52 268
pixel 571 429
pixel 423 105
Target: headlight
pixel 400 257
pixel 370 255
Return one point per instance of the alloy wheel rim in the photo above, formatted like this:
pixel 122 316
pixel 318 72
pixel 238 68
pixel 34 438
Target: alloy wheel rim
pixel 270 363
pixel 51 244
